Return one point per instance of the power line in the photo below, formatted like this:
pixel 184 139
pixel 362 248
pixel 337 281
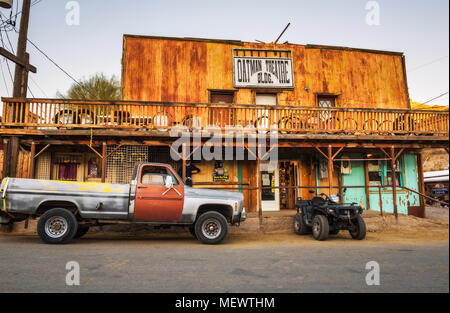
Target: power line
pixel 9 21
pixel 426 64
pixel 4 79
pixel 446 93
pixel 54 63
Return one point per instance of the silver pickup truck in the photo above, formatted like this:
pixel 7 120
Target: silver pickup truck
pixel 156 195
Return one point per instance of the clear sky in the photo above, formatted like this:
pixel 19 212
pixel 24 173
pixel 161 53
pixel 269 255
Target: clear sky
pixel 419 28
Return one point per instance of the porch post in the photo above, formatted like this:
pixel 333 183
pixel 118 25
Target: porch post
pixel 421 183
pixel 258 171
pixel 12 156
pixel 104 157
pixel 33 152
pixel 367 183
pixel 184 162
pixel 330 170
pixel 394 181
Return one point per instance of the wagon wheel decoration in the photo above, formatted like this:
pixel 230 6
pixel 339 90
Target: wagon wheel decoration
pixel 385 127
pixel 349 125
pixel 296 124
pixel 371 126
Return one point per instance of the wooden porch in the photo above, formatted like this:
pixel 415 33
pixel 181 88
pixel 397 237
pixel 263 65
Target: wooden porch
pixel 73 115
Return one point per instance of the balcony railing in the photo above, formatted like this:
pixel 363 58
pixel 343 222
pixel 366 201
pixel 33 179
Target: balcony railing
pixel 46 114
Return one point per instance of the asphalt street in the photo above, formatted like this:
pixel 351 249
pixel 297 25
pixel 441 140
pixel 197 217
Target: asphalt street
pixel 174 264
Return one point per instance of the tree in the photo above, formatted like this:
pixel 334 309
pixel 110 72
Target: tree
pixel 97 87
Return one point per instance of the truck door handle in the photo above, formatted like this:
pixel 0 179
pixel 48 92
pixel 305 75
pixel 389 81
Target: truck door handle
pixel 142 187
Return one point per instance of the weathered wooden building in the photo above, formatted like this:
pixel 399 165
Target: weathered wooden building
pixel 342 118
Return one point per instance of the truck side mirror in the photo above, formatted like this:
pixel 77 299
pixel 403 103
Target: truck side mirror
pixel 169 182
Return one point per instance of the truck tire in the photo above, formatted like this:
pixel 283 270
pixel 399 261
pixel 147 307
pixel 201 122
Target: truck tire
pixel 81 231
pixel 360 232
pixel 211 228
pixel 57 226
pixel 321 228
pixel 300 227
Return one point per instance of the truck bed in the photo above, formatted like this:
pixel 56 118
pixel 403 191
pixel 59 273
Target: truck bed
pixel 93 200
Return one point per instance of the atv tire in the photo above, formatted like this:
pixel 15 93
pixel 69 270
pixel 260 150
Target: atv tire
pixel 360 232
pixel 321 228
pixel 300 227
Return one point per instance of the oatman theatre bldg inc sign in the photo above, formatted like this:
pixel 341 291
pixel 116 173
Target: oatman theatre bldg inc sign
pixel 258 72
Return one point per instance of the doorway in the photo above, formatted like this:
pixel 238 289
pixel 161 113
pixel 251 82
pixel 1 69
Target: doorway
pixel 270 177
pixel 289 177
pixel 262 121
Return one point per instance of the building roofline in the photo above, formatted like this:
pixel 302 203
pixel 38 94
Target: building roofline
pixel 242 43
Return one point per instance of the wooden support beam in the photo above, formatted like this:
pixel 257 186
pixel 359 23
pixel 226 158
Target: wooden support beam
pixel 13 58
pixel 104 157
pixel 381 200
pixel 398 154
pixel 32 159
pixel 115 149
pixel 42 151
pixel 184 162
pixel 260 213
pixel 421 178
pixel 337 153
pixel 95 151
pixel 318 149
pixel 5 168
pixel 367 183
pixel 394 182
pixel 13 156
pixel 330 170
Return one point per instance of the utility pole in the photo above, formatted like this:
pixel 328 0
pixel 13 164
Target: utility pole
pixel 20 79
pixel 21 73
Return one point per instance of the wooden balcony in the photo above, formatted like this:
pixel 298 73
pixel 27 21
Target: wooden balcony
pixel 56 114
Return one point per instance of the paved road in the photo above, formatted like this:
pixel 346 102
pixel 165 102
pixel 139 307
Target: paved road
pixel 182 265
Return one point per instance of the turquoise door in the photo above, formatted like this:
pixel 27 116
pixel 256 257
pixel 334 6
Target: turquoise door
pixel 356 178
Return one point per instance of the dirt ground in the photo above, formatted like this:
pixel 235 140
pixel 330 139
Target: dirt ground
pixel 278 230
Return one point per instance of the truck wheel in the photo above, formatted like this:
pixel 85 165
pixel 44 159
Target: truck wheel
pixel 300 227
pixel 320 228
pixel 192 231
pixel 211 228
pixel 57 226
pixel 360 229
pixel 81 231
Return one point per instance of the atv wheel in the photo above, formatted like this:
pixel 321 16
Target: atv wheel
pixel 211 228
pixel 57 226
pixel 300 227
pixel 360 229
pixel 81 231
pixel 320 228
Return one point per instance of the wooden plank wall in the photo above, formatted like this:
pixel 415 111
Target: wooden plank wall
pixel 156 69
pixel 23 164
